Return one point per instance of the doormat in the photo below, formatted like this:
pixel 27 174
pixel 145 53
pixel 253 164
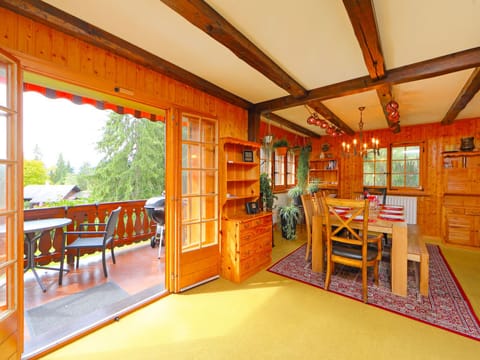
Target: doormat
pixel 446 307
pixel 71 309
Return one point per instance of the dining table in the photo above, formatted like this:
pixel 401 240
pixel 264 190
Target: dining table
pixel 378 222
pixel 33 231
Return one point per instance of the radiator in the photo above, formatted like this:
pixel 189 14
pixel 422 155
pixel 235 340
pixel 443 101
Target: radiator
pixel 409 204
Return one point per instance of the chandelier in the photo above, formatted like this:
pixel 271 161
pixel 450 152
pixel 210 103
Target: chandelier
pixel 359 147
pixel 330 129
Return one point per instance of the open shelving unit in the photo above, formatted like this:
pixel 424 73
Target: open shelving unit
pixel 246 238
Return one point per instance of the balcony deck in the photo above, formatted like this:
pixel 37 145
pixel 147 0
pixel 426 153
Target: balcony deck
pixel 138 271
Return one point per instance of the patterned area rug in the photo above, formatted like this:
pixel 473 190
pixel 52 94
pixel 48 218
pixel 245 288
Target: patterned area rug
pixel 446 307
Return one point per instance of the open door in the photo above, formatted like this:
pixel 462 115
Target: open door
pixel 192 152
pixel 11 209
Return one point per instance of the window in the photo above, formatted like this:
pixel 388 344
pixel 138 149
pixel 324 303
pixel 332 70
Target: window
pixel 285 171
pixel 399 168
pixel 375 168
pixel 405 166
pixel 266 161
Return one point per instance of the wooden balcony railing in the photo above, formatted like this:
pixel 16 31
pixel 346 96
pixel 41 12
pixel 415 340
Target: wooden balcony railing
pixel 134 225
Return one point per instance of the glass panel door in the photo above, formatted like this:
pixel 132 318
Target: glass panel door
pixel 11 210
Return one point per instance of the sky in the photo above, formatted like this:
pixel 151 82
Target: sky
pixel 60 126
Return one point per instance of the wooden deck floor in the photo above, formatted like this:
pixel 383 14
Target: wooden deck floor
pixel 138 271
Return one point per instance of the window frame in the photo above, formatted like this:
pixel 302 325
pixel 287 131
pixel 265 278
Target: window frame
pixel 389 165
pixel 289 169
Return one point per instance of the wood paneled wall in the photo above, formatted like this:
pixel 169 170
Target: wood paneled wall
pixel 436 137
pixel 54 54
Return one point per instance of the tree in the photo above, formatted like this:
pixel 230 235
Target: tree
pixel 133 163
pixel 34 172
pixel 61 171
pixel 84 176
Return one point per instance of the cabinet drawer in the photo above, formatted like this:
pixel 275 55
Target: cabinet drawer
pixel 454 210
pixel 262 244
pixel 461 221
pixel 460 236
pixel 261 221
pixel 253 233
pixel 472 211
pixel 254 263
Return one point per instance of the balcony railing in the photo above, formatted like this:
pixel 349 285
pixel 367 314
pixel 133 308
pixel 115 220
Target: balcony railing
pixel 134 225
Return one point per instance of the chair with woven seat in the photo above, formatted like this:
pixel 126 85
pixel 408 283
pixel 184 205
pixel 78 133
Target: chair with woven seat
pixel 348 246
pixel 95 239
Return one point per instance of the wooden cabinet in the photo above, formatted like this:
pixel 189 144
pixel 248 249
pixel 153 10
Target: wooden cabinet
pixel 461 172
pixel 326 172
pixel 246 238
pixel 247 247
pixel 461 198
pixel 462 220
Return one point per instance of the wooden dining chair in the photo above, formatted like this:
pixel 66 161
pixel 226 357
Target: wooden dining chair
pixel 309 210
pixel 348 246
pixel 99 239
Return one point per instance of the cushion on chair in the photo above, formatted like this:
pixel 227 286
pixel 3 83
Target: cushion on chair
pixel 353 252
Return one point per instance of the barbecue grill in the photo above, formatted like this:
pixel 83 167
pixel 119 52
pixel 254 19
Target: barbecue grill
pixel 155 208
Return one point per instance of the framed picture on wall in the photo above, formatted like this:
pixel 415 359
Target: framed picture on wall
pixel 248 155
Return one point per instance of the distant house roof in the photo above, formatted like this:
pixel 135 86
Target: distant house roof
pixel 48 193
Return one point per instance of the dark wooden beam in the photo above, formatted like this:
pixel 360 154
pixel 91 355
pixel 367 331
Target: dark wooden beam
pixel 284 122
pixel 362 17
pixel 471 87
pixel 254 126
pixel 203 16
pixel 50 16
pixel 384 94
pixel 418 71
pixel 330 116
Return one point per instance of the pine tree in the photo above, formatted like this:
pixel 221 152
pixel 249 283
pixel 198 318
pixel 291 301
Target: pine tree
pixel 133 163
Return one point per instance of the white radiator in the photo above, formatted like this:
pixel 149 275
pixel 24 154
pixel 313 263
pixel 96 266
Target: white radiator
pixel 409 204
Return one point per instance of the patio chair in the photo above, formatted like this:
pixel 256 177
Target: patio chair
pixel 91 240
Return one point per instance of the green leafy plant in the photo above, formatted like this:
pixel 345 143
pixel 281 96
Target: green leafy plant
pixel 280 143
pixel 289 216
pixel 295 192
pixel 313 186
pixel 303 167
pixel 266 191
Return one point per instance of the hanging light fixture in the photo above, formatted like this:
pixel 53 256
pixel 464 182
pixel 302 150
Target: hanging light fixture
pixel 359 147
pixel 330 129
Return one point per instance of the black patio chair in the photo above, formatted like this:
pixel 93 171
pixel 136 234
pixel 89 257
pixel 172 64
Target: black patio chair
pixel 92 240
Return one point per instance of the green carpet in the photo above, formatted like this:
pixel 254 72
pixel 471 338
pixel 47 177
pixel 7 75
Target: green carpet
pixel 71 309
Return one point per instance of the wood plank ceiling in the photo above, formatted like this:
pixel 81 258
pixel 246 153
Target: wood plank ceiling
pixel 372 23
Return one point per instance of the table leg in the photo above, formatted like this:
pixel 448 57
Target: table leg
pixel 317 244
pixel 29 241
pixel 399 259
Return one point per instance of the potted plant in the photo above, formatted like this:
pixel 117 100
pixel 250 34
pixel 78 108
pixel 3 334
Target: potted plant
pixel 266 192
pixel 281 147
pixel 289 216
pixel 294 193
pixel 313 186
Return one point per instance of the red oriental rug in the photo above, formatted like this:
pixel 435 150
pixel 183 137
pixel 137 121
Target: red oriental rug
pixel 446 307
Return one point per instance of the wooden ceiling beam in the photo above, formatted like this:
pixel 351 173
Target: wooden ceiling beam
pixel 288 124
pixel 418 71
pixel 203 16
pixel 384 94
pixel 362 17
pixel 59 20
pixel 330 116
pixel 471 87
